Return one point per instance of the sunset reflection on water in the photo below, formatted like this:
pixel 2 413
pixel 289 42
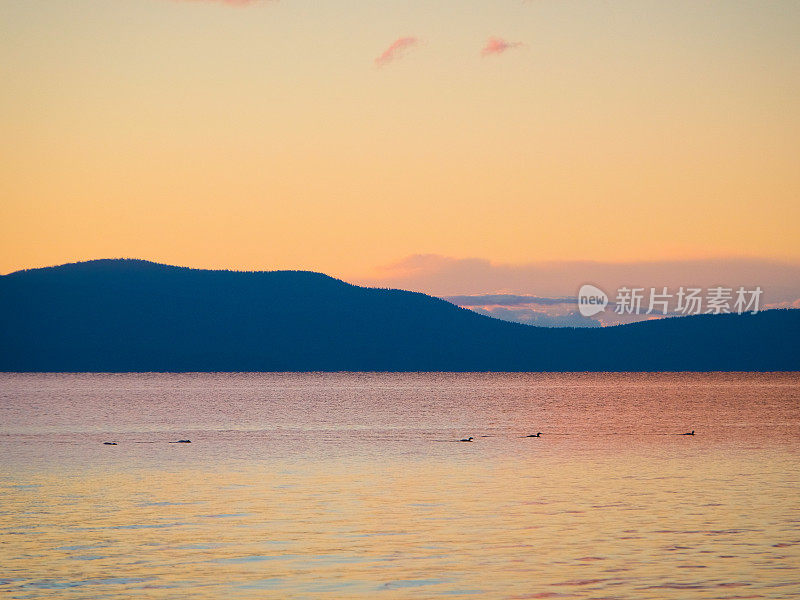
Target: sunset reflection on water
pixel 288 491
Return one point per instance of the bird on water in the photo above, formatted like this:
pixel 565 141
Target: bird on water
pixel 466 440
pixel 690 433
pixel 535 434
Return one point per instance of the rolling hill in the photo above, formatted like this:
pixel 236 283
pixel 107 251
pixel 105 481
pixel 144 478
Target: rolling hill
pixel 133 315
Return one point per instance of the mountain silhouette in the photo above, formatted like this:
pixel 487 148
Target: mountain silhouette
pixel 134 315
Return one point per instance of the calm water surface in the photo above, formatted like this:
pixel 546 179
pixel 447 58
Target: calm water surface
pixel 352 486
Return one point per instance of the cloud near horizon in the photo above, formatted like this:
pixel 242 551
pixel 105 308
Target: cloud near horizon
pixel 537 318
pixel 561 311
pixel 507 300
pixel 396 50
pixel 232 2
pixel 529 283
pixel 496 45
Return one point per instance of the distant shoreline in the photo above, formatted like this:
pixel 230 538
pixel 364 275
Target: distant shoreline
pixel 129 316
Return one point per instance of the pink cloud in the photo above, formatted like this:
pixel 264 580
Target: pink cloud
pixel 446 276
pixel 497 45
pixel 230 2
pixel 396 50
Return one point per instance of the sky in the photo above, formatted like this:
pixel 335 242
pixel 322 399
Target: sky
pixel 350 137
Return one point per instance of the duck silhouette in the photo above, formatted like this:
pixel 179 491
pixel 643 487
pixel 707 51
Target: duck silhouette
pixel 466 440
pixel 182 442
pixel 690 433
pixel 535 434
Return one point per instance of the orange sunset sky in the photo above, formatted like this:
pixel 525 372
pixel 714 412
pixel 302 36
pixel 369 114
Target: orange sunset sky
pixel 344 136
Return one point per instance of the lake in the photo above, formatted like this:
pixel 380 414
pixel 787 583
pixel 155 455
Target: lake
pixel 352 485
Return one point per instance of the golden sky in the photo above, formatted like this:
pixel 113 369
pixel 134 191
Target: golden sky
pixel 344 135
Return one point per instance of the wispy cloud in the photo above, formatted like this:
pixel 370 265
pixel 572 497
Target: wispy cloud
pixel 508 300
pixel 522 284
pixel 396 50
pixel 496 45
pixel 526 316
pixel 231 2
